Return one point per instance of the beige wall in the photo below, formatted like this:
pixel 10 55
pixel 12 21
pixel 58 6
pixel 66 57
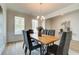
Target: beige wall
pixel 2 28
pixel 48 24
pixel 73 17
pixel 10 25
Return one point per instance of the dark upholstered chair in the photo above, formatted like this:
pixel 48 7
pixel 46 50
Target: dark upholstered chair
pixel 28 43
pixel 51 32
pixel 32 39
pixel 63 47
pixel 44 32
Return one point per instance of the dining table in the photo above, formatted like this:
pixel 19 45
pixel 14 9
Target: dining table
pixel 45 40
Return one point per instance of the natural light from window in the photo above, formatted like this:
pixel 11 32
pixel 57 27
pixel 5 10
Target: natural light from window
pixel 19 25
pixel 34 25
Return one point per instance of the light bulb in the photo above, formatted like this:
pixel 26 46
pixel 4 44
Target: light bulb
pixel 43 17
pixel 37 17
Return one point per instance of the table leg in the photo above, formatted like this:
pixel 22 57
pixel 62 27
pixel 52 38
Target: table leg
pixel 43 49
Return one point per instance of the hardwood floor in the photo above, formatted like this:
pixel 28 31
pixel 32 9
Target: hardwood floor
pixel 16 49
pixel 74 46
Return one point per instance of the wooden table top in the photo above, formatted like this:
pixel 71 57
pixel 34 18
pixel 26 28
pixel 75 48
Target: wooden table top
pixel 46 39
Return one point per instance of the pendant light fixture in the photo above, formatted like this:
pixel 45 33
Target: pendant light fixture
pixel 40 17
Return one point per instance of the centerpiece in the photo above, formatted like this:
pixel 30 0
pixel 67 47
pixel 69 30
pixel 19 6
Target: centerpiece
pixel 40 28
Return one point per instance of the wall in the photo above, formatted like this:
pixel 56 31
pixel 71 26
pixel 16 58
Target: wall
pixel 10 25
pixel 48 24
pixel 67 9
pixel 2 27
pixel 73 17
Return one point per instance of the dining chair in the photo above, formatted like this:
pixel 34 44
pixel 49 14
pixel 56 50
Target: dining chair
pixel 32 39
pixel 63 47
pixel 29 44
pixel 51 32
pixel 45 31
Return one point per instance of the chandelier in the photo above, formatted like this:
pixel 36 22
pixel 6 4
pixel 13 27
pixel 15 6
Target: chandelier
pixel 40 17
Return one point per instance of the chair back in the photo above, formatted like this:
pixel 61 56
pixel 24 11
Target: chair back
pixel 45 32
pixel 67 42
pixel 27 39
pixel 51 32
pixel 63 47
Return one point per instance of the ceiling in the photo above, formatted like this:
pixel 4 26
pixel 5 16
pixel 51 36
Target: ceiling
pixel 37 8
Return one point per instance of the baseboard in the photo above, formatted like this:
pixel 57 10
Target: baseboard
pixel 14 41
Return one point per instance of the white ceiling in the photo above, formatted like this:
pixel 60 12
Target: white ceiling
pixel 35 8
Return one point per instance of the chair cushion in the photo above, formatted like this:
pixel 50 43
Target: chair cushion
pixel 36 46
pixel 33 40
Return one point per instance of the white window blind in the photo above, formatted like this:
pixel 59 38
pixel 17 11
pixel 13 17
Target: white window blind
pixel 19 25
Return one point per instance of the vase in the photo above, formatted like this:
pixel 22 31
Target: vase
pixel 39 33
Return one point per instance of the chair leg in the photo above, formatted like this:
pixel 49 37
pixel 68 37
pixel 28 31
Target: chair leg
pixel 25 50
pixel 67 53
pixel 29 52
pixel 23 45
pixel 40 51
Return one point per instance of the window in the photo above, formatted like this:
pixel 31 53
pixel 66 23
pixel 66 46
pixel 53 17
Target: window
pixel 34 25
pixel 19 25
